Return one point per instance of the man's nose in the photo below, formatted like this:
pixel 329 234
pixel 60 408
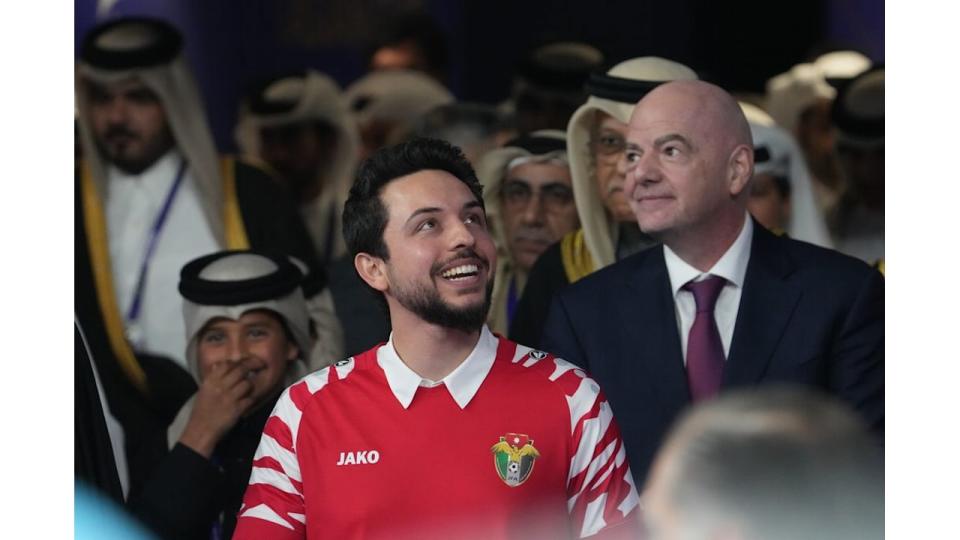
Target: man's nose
pixel 461 236
pixel 117 111
pixel 532 212
pixel 643 170
pixel 646 169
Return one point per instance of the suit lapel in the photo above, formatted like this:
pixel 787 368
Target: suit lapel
pixel 766 306
pixel 648 311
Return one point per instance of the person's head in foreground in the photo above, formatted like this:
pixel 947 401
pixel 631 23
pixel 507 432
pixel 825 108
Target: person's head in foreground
pixel 416 225
pixel 774 463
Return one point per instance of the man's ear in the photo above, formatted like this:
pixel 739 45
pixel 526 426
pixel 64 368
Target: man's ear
pixel 740 169
pixel 372 270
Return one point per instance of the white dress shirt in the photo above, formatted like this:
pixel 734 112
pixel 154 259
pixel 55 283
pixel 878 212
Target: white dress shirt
pixel 732 266
pixel 133 202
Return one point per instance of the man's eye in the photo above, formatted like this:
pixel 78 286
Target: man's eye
pixel 427 225
pixel 256 332
pixel 473 219
pixel 671 151
pixel 212 337
pixel 610 141
pixel 631 156
pixel 142 96
pixel 557 195
pixel 516 191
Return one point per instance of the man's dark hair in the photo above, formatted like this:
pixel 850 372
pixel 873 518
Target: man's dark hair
pixel 365 215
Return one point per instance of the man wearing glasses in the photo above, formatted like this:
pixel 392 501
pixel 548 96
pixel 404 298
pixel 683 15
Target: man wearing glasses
pixel 529 198
pixel 596 138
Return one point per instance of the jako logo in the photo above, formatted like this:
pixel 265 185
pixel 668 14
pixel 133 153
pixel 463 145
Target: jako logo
pixel 362 457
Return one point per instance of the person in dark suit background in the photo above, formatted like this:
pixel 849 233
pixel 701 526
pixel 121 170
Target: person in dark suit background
pixel 723 303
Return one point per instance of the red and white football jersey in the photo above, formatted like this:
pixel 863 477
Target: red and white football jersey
pixel 513 443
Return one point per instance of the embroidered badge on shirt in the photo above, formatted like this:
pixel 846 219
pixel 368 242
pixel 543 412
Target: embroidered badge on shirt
pixel 513 458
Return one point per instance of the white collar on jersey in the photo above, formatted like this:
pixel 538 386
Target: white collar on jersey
pixel 462 383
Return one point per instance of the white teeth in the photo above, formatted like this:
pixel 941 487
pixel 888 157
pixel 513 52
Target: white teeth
pixel 461 271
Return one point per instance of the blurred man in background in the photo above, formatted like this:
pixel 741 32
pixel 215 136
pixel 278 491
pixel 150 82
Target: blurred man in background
pixel 775 463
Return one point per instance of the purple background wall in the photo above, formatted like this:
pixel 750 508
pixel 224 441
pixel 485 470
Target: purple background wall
pixel 737 44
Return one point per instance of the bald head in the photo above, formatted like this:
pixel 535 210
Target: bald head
pixel 705 107
pixel 689 159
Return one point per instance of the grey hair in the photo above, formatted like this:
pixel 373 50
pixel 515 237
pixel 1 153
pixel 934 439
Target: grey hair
pixel 782 462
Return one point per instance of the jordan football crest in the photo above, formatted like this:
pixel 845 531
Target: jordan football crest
pixel 513 457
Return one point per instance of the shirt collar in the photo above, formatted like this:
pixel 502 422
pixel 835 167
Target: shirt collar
pixel 732 266
pixel 462 383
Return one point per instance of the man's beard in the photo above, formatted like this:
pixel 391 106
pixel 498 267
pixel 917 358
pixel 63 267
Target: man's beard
pixel 127 160
pixel 427 304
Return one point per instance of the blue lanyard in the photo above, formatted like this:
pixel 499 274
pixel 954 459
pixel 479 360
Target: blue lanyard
pixel 134 312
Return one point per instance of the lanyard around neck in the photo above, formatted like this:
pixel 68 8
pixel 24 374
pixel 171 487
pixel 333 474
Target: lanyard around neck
pixel 133 313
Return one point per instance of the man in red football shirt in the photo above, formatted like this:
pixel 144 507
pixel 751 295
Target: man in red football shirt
pixel 446 430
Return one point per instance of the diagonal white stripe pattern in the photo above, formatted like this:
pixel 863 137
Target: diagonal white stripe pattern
pixel 266 513
pixel 593 430
pixel 562 367
pixel 593 520
pixel 274 479
pixel 522 351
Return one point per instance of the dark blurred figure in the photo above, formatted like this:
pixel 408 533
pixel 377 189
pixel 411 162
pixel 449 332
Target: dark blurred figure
pixel 300 125
pixel 151 194
pixel 857 221
pixel 387 104
pixel 411 40
pixel 549 85
pixel 799 101
pixel 781 191
pixel 98 456
pixel 775 463
pixel 475 128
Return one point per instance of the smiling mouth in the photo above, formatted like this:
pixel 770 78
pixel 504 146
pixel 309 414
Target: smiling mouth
pixel 461 272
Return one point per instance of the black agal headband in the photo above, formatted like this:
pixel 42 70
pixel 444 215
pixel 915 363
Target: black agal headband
pixel 619 89
pixel 281 282
pixel 537 145
pixel 134 42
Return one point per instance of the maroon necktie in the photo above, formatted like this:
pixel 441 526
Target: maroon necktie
pixel 704 349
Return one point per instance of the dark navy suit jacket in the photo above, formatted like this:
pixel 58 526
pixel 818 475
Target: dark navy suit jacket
pixel 807 315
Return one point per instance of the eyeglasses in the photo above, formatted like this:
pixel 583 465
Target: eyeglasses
pixel 518 194
pixel 608 146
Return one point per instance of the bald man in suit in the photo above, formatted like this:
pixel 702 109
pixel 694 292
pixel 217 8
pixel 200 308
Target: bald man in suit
pixel 723 303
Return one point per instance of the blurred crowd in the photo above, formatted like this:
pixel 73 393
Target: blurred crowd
pixel 180 250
